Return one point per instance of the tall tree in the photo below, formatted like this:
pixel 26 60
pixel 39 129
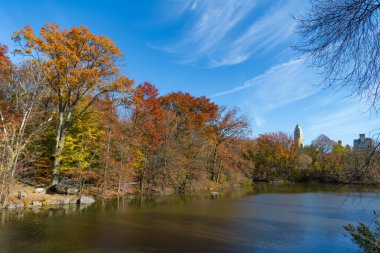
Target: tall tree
pixel 77 63
pixel 226 128
pixel 145 129
pixel 190 118
pixel 21 99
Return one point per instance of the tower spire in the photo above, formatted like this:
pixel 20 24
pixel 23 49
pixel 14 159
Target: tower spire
pixel 298 136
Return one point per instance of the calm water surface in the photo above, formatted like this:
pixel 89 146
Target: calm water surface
pixel 288 218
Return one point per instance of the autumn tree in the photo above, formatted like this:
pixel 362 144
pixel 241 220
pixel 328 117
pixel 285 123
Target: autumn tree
pixel 189 118
pixel 226 128
pixel 323 146
pixel 146 118
pixel 191 112
pixel 83 144
pixel 77 64
pixel 5 63
pixel 21 117
pixel 276 154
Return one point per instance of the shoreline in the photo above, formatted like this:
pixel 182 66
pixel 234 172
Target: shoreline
pixel 33 200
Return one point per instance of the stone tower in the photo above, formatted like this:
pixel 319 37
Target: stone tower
pixel 298 136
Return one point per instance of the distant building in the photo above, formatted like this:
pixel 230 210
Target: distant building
pixel 363 143
pixel 298 136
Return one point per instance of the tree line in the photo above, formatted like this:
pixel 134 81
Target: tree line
pixel 277 156
pixel 67 111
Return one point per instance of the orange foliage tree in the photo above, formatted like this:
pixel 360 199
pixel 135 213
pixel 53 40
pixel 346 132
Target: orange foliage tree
pixel 5 62
pixel 187 143
pixel 77 63
pixel 226 129
pixel 191 112
pixel 145 131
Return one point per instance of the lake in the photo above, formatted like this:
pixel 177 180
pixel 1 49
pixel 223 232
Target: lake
pixel 269 218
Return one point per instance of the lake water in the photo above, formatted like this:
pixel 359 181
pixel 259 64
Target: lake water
pixel 287 218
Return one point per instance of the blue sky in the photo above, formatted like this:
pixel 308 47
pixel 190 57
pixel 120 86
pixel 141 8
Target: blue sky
pixel 235 52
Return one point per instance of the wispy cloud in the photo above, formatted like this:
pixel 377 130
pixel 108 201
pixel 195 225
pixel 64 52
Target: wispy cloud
pixel 289 93
pixel 274 27
pixel 281 86
pixel 278 86
pixel 270 74
pixel 231 32
pixel 209 22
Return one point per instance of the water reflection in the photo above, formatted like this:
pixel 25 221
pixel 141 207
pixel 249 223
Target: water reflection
pixel 8 215
pixel 267 218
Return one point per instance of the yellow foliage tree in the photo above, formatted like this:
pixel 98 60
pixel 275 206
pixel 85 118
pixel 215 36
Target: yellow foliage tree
pixel 82 143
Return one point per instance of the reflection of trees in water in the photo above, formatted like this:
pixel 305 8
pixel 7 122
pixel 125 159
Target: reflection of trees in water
pixel 9 215
pixel 177 222
pixel 140 201
pixel 27 231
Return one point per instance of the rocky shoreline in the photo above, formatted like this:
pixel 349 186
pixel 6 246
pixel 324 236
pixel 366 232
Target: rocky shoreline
pixel 29 197
pixel 51 201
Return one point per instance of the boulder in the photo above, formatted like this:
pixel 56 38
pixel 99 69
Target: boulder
pixel 10 206
pixel 40 190
pixel 36 209
pixel 36 203
pixel 54 202
pixel 86 200
pixel 67 186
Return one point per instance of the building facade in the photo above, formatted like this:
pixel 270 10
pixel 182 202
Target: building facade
pixel 363 143
pixel 298 136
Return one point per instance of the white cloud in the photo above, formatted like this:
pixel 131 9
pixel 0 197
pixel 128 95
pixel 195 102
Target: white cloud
pixel 264 97
pixel 280 85
pixel 273 28
pixel 231 31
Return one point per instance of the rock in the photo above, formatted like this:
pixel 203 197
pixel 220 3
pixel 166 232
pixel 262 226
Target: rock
pixel 86 200
pixel 74 201
pixel 64 201
pixel 54 202
pixel 20 205
pixel 36 203
pixel 214 193
pixel 10 206
pixel 67 186
pixel 40 190
pixel 36 209
pixel 72 191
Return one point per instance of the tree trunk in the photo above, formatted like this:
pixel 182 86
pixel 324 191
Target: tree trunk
pixel 107 161
pixel 214 161
pixel 63 124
